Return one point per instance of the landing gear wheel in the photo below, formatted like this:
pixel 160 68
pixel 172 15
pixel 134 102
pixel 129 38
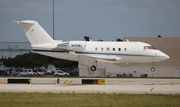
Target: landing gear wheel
pixel 93 68
pixel 152 69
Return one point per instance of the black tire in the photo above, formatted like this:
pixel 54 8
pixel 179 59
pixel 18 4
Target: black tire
pixel 93 68
pixel 152 69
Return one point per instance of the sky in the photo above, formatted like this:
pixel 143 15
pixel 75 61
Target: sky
pixel 99 19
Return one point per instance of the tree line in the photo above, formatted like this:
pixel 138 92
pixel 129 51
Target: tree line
pixel 31 60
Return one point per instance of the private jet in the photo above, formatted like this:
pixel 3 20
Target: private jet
pixel 90 52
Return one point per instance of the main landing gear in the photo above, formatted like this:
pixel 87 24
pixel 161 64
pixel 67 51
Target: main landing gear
pixel 93 68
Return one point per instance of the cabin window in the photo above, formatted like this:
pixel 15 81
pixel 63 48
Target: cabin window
pixel 113 49
pixel 96 49
pixel 119 49
pixel 102 49
pixel 107 49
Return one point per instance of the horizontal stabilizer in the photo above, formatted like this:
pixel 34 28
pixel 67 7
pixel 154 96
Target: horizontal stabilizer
pixel 25 22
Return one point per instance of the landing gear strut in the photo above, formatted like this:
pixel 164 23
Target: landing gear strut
pixel 93 68
pixel 152 69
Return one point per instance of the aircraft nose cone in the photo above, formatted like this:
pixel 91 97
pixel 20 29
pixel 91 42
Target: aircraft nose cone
pixel 162 56
pixel 167 57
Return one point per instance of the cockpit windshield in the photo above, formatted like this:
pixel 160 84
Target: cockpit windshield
pixel 149 48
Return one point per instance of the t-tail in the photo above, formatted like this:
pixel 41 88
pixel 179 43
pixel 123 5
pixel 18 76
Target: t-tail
pixel 34 32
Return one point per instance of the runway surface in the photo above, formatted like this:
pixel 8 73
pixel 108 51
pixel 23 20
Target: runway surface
pixel 112 85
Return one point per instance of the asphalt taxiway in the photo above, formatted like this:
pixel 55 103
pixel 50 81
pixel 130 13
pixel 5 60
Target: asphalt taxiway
pixel 112 85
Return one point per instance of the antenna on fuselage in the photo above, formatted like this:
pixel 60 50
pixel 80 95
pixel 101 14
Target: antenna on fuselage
pixel 87 38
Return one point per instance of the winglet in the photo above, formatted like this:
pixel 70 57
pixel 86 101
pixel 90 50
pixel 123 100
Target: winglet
pixel 16 21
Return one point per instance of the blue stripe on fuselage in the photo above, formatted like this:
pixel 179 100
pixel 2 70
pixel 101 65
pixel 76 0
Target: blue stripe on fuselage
pixel 85 53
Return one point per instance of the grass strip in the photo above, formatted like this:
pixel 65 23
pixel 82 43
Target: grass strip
pixel 87 100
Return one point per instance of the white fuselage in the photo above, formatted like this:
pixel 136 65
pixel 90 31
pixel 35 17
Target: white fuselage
pixel 114 52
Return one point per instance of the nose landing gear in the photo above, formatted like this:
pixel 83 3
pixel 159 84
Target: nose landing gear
pixel 152 68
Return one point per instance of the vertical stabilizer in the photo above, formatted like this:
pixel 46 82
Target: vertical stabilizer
pixel 34 32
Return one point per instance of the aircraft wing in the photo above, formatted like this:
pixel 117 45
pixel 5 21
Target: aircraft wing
pixel 108 58
pixel 111 58
pixel 88 59
pixel 92 59
pixel 85 59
